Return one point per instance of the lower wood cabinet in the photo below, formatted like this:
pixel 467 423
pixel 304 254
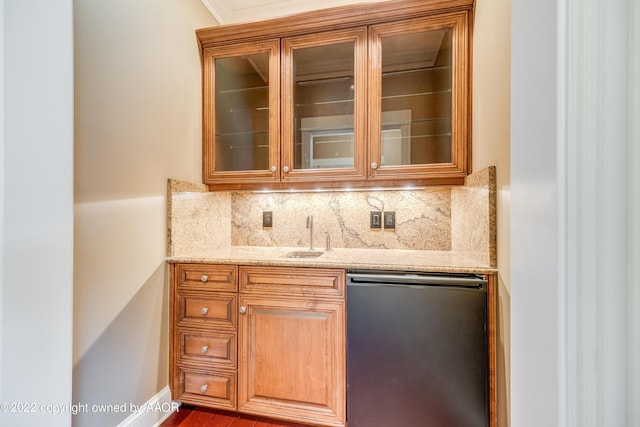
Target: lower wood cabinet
pixel 268 341
pixel 292 359
pixel 212 388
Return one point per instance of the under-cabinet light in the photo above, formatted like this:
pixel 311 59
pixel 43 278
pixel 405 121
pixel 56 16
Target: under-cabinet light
pixel 335 190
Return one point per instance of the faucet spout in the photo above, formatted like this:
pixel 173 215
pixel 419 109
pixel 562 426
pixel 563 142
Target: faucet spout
pixel 310 227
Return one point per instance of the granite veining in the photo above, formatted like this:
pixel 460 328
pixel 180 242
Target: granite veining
pixel 423 219
pixel 473 228
pixel 196 218
pixel 380 259
pixel 437 228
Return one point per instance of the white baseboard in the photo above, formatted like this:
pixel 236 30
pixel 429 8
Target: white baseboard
pixel 153 412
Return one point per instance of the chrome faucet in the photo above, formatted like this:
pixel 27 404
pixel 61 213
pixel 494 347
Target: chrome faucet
pixel 310 227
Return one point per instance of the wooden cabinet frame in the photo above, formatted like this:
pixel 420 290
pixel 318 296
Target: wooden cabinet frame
pixel 459 166
pixel 209 172
pixel 358 37
pixel 303 307
pixel 305 383
pixel 333 25
pixel 214 368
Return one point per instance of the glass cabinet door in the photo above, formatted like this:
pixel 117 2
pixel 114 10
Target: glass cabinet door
pixel 323 106
pixel 418 98
pixel 241 113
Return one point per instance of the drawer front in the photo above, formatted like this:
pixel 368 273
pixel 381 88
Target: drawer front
pixel 215 348
pixel 217 310
pixel 206 277
pixel 291 281
pixel 208 388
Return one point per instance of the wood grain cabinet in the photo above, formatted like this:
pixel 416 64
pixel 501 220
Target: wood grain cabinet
pixel 268 341
pixel 419 96
pixel 241 138
pixel 361 95
pixel 292 344
pixel 203 334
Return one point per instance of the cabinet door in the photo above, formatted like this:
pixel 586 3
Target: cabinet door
pixel 324 106
pixel 292 359
pixel 419 98
pixel 241 113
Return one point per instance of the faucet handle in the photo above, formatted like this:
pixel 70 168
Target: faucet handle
pixel 309 221
pixel 328 246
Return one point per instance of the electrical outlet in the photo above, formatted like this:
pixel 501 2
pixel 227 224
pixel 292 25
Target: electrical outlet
pixel 375 219
pixel 390 220
pixel 267 219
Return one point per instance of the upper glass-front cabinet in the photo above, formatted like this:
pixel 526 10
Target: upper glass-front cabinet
pixel 418 111
pixel 361 95
pixel 241 112
pixel 323 106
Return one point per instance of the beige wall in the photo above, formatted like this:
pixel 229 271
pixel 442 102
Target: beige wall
pixel 491 146
pixel 36 210
pixel 137 122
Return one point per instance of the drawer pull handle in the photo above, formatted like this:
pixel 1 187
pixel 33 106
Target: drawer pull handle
pixel 204 278
pixel 243 309
pixel 204 349
pixel 204 388
pixel 204 311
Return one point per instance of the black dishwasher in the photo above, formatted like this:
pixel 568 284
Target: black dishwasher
pixel 416 350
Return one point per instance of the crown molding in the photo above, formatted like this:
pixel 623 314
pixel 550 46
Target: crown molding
pixel 237 11
pixel 220 10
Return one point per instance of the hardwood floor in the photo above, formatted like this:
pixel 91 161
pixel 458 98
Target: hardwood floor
pixel 192 416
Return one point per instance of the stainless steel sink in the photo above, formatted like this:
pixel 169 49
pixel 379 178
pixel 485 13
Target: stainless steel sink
pixel 304 254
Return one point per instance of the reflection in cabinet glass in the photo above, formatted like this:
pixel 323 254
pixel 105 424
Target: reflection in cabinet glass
pixel 324 93
pixel 357 96
pixel 324 83
pixel 419 103
pixel 416 78
pixel 242 112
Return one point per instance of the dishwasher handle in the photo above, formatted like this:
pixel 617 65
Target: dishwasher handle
pixel 416 279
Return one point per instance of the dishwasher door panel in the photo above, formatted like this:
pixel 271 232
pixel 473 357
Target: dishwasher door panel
pixel 416 356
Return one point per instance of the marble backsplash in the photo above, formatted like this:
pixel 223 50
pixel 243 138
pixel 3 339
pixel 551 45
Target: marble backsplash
pixel 474 222
pixel 346 217
pixel 434 218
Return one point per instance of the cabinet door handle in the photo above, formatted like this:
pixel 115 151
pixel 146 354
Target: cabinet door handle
pixel 285 169
pixel 204 278
pixel 374 165
pixel 204 388
pixel 273 169
pixel 204 311
pixel 204 349
pixel 243 309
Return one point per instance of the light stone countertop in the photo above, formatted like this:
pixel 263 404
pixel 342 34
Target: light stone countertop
pixel 380 259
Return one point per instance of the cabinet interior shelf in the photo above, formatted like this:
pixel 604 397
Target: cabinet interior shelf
pixel 416 137
pixel 415 70
pixel 246 147
pixel 244 110
pixel 241 90
pixel 323 81
pixel 408 95
pixel 252 132
pixel 337 101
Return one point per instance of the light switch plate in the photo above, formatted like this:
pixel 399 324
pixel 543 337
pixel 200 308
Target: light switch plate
pixel 267 219
pixel 375 219
pixel 390 220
